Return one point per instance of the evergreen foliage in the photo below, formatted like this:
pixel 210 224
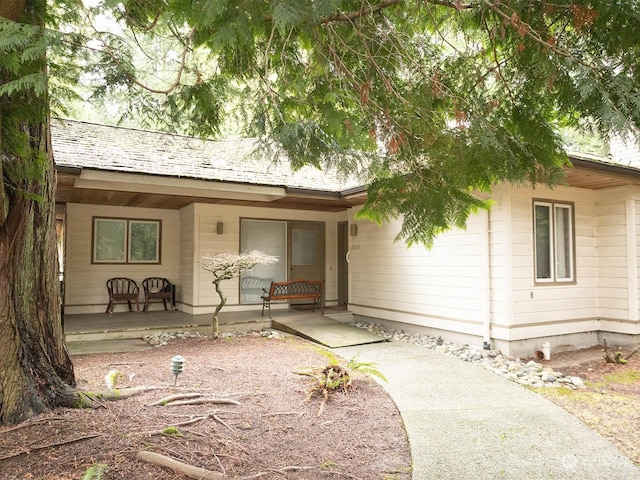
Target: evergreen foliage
pixel 433 100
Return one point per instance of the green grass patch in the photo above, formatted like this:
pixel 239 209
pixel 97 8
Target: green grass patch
pixel 628 377
pixel 172 432
pixel 563 394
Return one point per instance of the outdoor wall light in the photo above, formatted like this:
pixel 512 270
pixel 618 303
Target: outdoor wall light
pixel 177 366
pixel 219 228
pixel 354 229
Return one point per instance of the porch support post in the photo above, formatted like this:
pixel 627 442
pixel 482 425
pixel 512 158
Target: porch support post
pixel 632 259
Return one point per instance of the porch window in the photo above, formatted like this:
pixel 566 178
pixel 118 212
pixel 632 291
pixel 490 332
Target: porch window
pixel 121 240
pixel 554 242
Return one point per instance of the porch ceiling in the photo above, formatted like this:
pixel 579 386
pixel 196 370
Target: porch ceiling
pixel 140 192
pixel 598 176
pixel 71 190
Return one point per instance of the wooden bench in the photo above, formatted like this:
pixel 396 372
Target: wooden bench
pixel 293 290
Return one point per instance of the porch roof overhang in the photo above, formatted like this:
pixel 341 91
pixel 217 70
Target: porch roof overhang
pixel 597 174
pixel 108 187
pixel 99 187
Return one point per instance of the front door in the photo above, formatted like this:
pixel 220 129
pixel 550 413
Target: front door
pixel 306 251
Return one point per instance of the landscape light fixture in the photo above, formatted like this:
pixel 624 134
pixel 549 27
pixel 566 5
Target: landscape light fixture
pixel 177 365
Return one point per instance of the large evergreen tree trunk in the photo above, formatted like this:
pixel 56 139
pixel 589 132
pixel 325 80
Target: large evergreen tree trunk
pixel 36 372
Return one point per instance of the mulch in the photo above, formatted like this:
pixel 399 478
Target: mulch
pixel 274 432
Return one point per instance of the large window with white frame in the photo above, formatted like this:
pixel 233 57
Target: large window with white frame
pixel 554 240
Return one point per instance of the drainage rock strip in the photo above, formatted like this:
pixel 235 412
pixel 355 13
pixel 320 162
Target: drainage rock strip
pixel 528 373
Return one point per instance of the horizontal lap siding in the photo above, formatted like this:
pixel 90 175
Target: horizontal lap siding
pixel 612 261
pixel 186 292
pixel 209 242
pixel 540 304
pixel 447 281
pixel 637 249
pixel 85 283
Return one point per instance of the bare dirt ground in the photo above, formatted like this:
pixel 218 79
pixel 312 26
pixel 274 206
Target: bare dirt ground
pixel 610 401
pixel 272 434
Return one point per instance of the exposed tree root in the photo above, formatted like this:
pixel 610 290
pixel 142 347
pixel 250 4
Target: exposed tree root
pixel 201 473
pixel 171 398
pixel 185 469
pixel 88 399
pixel 201 401
pixel 192 399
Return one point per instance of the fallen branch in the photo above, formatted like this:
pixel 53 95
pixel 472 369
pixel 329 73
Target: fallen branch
pixel 125 363
pixel 29 423
pixel 49 445
pixel 218 419
pixel 292 468
pixel 275 414
pixel 185 469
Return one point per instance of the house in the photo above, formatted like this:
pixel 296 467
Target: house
pixel 543 265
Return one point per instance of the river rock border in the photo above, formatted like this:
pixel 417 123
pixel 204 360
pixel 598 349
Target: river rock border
pixel 163 338
pixel 524 372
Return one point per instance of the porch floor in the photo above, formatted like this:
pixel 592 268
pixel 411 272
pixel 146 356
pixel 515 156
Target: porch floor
pixel 333 329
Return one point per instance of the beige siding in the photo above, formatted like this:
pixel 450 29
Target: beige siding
pixel 85 289
pixel 544 307
pixel 185 293
pixel 612 254
pixel 209 242
pixel 414 285
pixel 186 235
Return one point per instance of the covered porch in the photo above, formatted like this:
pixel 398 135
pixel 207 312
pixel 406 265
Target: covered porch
pixel 93 332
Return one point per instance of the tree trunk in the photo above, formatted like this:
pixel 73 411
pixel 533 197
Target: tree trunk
pixel 215 323
pixel 36 370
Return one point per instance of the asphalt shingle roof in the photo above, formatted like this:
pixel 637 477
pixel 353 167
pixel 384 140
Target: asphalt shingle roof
pixel 119 149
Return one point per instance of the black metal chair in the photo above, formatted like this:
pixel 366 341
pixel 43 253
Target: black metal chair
pixel 122 289
pixel 158 289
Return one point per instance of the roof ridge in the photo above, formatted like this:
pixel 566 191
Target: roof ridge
pixel 148 131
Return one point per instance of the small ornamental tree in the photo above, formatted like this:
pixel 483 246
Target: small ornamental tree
pixel 226 266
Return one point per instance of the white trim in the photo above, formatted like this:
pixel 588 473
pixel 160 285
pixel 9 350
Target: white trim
pixel 632 259
pixel 508 256
pixel 141 183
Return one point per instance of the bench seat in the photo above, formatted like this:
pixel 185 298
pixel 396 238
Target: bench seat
pixel 293 290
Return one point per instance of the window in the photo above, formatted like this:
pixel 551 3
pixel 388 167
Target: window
pixel 554 242
pixel 119 240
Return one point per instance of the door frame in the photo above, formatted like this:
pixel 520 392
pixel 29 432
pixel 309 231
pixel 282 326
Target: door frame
pixel 343 265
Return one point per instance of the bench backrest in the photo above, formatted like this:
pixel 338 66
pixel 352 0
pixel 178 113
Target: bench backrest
pixel 251 284
pixel 296 287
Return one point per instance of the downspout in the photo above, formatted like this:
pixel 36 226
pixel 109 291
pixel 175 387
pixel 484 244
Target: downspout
pixel 486 327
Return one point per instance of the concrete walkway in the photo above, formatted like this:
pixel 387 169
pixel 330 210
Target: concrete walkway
pixel 464 421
